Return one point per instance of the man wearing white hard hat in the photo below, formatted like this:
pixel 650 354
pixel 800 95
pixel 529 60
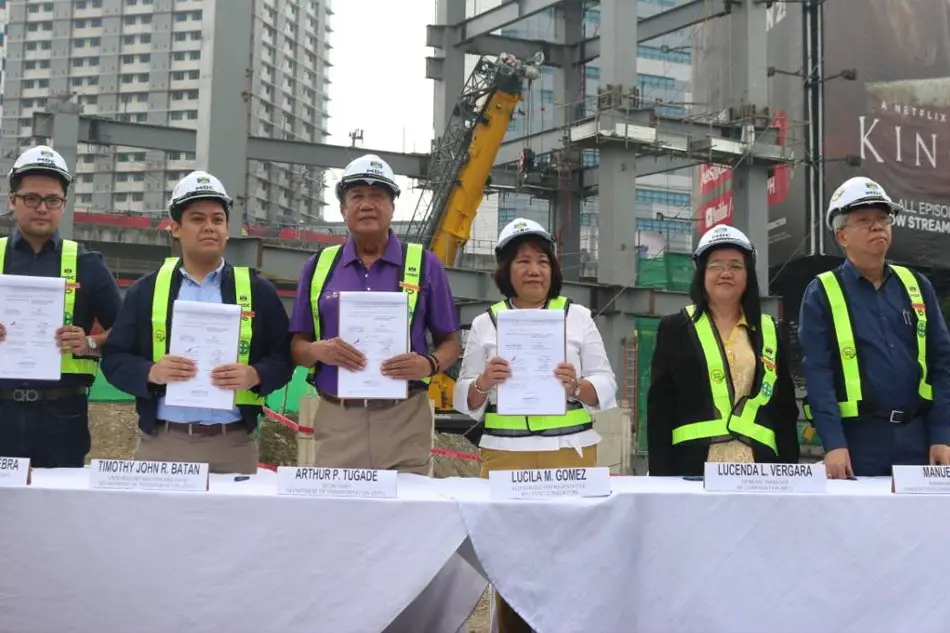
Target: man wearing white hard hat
pixel 136 358
pixel 721 387
pixel 47 420
pixel 390 434
pixel 876 348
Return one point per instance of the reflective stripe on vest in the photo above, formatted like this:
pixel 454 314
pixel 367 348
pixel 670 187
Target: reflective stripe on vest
pixel 242 292
pixel 68 267
pixel 740 419
pixel 576 419
pixel 849 370
pixel 410 282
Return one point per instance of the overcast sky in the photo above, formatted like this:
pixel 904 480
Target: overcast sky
pixel 377 86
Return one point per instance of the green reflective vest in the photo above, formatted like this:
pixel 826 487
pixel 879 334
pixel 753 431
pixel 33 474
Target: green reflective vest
pixel 69 264
pixel 576 419
pixel 742 418
pixel 242 292
pixel 848 382
pixel 410 281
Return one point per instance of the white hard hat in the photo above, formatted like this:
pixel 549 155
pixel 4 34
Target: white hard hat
pixel 368 170
pixel 723 235
pixel 519 227
pixel 197 185
pixel 858 192
pixel 40 160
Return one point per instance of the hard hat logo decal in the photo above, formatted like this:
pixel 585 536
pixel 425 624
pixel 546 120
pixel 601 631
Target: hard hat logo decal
pixel 871 186
pixel 46 153
pixel 375 164
pixel 837 194
pixel 204 180
pixel 519 226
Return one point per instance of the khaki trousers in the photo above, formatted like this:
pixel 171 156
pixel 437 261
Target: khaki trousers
pixel 508 619
pixel 233 452
pixel 395 438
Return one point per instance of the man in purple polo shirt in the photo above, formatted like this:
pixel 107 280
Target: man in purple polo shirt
pixel 384 434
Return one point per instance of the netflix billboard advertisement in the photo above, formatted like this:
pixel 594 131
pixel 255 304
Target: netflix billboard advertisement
pixel 895 116
pixel 712 88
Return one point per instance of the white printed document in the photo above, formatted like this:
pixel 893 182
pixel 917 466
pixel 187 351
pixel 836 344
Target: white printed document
pixel 208 334
pixel 31 309
pixel 533 342
pixel 377 324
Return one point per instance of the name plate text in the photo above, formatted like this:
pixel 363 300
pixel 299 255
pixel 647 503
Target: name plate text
pixel 14 471
pixel 548 483
pixel 921 480
pixel 336 482
pixel 730 477
pixel 130 474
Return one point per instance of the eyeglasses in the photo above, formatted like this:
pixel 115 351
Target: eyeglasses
pixel 733 267
pixel 866 222
pixel 33 200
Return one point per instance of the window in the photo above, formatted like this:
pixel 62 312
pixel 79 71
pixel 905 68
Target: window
pixel 675 55
pixel 662 196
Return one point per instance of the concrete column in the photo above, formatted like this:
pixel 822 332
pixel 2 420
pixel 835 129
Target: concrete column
pixel 617 253
pixel 221 144
pixel 447 68
pixel 750 81
pixel 568 93
pixel 66 142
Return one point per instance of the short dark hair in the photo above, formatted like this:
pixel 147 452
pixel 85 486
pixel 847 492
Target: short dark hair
pixel 749 301
pixel 507 256
pixel 17 181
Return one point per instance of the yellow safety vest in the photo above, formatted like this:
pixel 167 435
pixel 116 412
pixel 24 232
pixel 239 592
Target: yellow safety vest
pixel 740 419
pixel 849 381
pixel 242 292
pixel 68 266
pixel 576 419
pixel 410 282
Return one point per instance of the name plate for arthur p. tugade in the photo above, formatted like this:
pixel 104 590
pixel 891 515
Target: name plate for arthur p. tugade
pixel 921 480
pixel 730 477
pixel 548 483
pixel 131 474
pixel 14 471
pixel 336 482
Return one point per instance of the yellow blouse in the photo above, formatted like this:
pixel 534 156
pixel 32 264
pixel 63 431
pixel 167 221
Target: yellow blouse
pixel 741 359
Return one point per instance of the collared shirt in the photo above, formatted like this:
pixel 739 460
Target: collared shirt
pixel 205 291
pixel 435 310
pixel 740 358
pixel 97 297
pixel 585 351
pixel 885 336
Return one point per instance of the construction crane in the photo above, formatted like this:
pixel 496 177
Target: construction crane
pixel 460 168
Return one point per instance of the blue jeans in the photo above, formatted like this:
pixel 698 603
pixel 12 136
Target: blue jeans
pixel 52 433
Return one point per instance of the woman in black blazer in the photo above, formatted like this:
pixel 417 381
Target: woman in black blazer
pixel 721 389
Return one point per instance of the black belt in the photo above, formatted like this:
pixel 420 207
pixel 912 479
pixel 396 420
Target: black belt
pixel 897 416
pixel 376 403
pixel 37 395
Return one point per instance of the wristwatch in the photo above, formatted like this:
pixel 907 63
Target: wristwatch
pixel 91 343
pixel 576 394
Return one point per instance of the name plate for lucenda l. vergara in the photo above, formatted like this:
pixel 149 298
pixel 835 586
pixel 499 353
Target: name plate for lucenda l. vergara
pixel 336 482
pixel 735 477
pixel 130 474
pixel 921 480
pixel 549 483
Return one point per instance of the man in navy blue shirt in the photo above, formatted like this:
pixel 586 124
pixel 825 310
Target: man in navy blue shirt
pixel 136 357
pixel 877 351
pixel 48 421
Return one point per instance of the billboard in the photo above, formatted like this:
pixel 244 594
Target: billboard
pixel 895 116
pixel 712 88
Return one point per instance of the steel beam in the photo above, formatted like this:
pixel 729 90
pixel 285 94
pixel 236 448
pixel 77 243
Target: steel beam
pixel 331 156
pixel 501 16
pixel 108 132
pixel 681 17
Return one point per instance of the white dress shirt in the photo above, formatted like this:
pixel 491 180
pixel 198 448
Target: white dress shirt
pixel 585 351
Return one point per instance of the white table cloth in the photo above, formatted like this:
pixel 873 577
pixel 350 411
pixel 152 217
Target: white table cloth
pixel 238 558
pixel 664 556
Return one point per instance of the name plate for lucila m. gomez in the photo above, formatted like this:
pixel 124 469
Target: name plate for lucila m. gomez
pixel 921 480
pixel 14 471
pixel 364 483
pixel 131 474
pixel 549 483
pixel 730 477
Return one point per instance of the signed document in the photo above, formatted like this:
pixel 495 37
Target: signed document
pixel 533 343
pixel 32 309
pixel 377 324
pixel 208 334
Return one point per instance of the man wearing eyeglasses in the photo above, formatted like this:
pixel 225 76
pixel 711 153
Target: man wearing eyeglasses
pixel 48 421
pixel 877 351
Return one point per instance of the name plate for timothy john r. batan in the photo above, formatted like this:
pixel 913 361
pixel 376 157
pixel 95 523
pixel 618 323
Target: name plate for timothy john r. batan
pixel 132 474
pixel 921 480
pixel 14 471
pixel 730 477
pixel 549 483
pixel 363 483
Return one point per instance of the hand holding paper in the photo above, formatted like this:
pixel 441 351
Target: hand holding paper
pixel 172 369
pixel 235 376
